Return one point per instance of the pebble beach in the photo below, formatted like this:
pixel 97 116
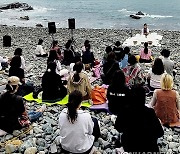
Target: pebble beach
pixel 42 137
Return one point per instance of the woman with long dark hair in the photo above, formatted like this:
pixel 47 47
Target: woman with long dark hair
pixel 109 67
pixel 53 57
pixel 145 54
pixel 155 74
pixel 78 130
pixel 118 93
pixel 69 54
pixel 56 47
pixel 79 81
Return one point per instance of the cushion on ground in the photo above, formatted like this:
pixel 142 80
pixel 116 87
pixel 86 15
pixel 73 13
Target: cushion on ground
pixel 103 107
pixel 64 101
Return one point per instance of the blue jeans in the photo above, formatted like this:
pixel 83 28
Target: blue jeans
pixel 34 116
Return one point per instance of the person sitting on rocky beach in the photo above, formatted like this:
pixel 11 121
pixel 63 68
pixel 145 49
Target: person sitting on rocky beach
pixel 139 125
pixel 3 63
pixel 86 43
pixel 145 54
pixel 16 70
pixel 56 47
pixel 13 114
pixel 53 57
pixel 39 49
pixel 124 57
pixel 118 93
pixel 52 86
pixel 165 101
pixel 145 30
pixel 18 52
pixel 88 56
pixel 107 51
pixel 167 62
pixel 79 81
pixel 117 50
pixel 78 130
pixel 109 67
pixel 69 55
pixel 133 72
pixel 154 75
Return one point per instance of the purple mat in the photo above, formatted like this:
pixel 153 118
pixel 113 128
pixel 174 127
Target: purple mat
pixel 100 107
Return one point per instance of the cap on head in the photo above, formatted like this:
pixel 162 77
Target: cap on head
pixel 14 80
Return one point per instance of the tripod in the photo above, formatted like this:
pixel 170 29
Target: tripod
pixel 72 38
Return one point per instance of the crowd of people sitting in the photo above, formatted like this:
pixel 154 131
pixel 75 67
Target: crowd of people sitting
pixel 126 85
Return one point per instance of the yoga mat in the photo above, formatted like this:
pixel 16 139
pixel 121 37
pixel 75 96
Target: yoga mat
pixel 64 101
pixel 100 107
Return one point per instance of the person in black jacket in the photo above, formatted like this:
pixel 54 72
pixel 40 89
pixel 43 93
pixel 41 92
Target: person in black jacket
pixel 88 56
pixel 53 88
pixel 69 54
pixel 118 94
pixel 109 67
pixel 117 50
pixel 13 108
pixel 139 125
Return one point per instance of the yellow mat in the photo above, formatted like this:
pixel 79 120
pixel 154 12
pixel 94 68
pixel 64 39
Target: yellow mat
pixel 64 101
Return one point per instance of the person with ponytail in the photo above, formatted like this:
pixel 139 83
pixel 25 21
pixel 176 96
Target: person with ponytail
pixel 79 81
pixel 145 54
pixel 13 114
pixel 78 130
pixel 53 88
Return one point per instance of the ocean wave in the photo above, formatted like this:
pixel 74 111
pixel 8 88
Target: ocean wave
pixel 126 11
pixel 157 16
pixel 40 9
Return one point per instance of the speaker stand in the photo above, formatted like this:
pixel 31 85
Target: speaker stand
pixel 52 36
pixel 72 38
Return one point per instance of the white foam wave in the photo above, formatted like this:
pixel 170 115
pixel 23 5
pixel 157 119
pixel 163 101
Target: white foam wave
pixel 126 11
pixel 42 9
pixel 157 16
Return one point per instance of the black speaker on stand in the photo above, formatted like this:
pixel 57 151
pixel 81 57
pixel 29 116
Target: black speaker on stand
pixel 52 29
pixel 6 41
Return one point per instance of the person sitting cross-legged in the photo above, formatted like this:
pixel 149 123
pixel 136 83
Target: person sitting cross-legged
pixel 139 125
pixel 165 101
pixel 13 114
pixel 78 130
pixel 52 86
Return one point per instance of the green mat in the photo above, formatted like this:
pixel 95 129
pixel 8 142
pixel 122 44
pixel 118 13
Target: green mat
pixel 64 101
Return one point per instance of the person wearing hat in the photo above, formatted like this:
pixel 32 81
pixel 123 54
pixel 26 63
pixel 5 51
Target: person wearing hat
pixel 12 108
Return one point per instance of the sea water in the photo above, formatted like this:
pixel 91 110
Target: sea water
pixel 113 14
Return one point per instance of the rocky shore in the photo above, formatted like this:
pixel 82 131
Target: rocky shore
pixel 42 137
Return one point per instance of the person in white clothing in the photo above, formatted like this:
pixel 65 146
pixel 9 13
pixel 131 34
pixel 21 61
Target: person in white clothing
pixel 155 74
pixel 78 130
pixel 167 62
pixel 39 50
pixel 3 62
pixel 18 52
